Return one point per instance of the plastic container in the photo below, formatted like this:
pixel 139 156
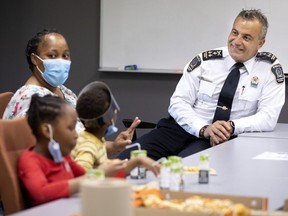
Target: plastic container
pixel 165 174
pixel 95 174
pixel 204 169
pixel 138 172
pixel 176 181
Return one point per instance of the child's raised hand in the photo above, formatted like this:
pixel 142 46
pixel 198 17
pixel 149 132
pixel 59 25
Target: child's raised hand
pixel 111 167
pixel 125 137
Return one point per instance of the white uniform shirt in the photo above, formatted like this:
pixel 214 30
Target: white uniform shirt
pixel 257 102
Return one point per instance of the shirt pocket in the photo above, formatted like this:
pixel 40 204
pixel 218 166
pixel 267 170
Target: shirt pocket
pixel 206 90
pixel 248 99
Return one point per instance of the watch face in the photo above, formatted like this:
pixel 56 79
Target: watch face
pixel 233 127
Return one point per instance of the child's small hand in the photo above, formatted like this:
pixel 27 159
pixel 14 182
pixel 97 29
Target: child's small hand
pixel 111 167
pixel 150 164
pixel 125 137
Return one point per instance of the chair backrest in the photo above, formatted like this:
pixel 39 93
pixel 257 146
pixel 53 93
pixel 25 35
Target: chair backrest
pixel 4 100
pixel 15 137
pixel 144 125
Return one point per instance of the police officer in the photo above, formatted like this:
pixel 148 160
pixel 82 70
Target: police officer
pixel 258 98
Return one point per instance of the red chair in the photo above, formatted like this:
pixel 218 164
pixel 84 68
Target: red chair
pixel 4 100
pixel 15 137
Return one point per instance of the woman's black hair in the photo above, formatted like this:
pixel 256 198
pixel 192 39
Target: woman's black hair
pixel 44 109
pixel 34 42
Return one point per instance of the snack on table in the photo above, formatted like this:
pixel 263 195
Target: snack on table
pixel 195 170
pixel 141 196
pixel 211 206
pixel 141 192
pixel 152 197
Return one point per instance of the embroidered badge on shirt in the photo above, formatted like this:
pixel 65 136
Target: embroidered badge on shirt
pixel 266 56
pixel 254 82
pixel 194 64
pixel 278 73
pixel 212 54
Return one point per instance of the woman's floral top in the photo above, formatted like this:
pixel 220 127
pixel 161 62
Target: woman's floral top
pixel 20 102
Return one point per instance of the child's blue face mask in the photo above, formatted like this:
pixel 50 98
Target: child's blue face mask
pixel 111 130
pixel 54 147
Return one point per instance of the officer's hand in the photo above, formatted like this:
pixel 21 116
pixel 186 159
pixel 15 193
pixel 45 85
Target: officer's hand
pixel 219 132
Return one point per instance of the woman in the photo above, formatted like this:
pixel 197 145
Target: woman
pixel 48 57
pixel 49 60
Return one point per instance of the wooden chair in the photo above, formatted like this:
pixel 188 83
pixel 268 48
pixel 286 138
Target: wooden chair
pixel 15 136
pixel 4 100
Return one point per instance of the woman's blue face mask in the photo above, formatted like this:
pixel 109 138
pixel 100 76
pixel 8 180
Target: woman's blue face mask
pixel 56 71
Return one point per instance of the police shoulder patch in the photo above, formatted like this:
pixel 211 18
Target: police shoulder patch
pixel 266 56
pixel 278 73
pixel 194 64
pixel 212 54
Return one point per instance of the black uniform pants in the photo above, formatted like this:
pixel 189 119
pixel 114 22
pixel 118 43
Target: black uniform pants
pixel 168 138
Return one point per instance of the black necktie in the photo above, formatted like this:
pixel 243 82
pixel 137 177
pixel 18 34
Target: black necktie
pixel 226 96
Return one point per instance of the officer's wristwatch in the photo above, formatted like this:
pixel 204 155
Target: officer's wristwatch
pixel 202 130
pixel 233 126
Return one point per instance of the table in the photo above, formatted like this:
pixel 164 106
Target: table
pixel 280 132
pixel 60 207
pixel 237 174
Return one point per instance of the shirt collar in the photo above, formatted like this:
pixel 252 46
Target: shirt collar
pixel 248 64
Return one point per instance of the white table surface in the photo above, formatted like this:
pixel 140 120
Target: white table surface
pixel 280 132
pixel 237 174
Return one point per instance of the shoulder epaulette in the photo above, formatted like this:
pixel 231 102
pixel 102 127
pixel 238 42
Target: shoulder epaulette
pixel 266 56
pixel 278 73
pixel 194 64
pixel 212 54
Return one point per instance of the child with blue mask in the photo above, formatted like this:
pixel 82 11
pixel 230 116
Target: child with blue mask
pixel 97 109
pixel 46 169
pixel 109 117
